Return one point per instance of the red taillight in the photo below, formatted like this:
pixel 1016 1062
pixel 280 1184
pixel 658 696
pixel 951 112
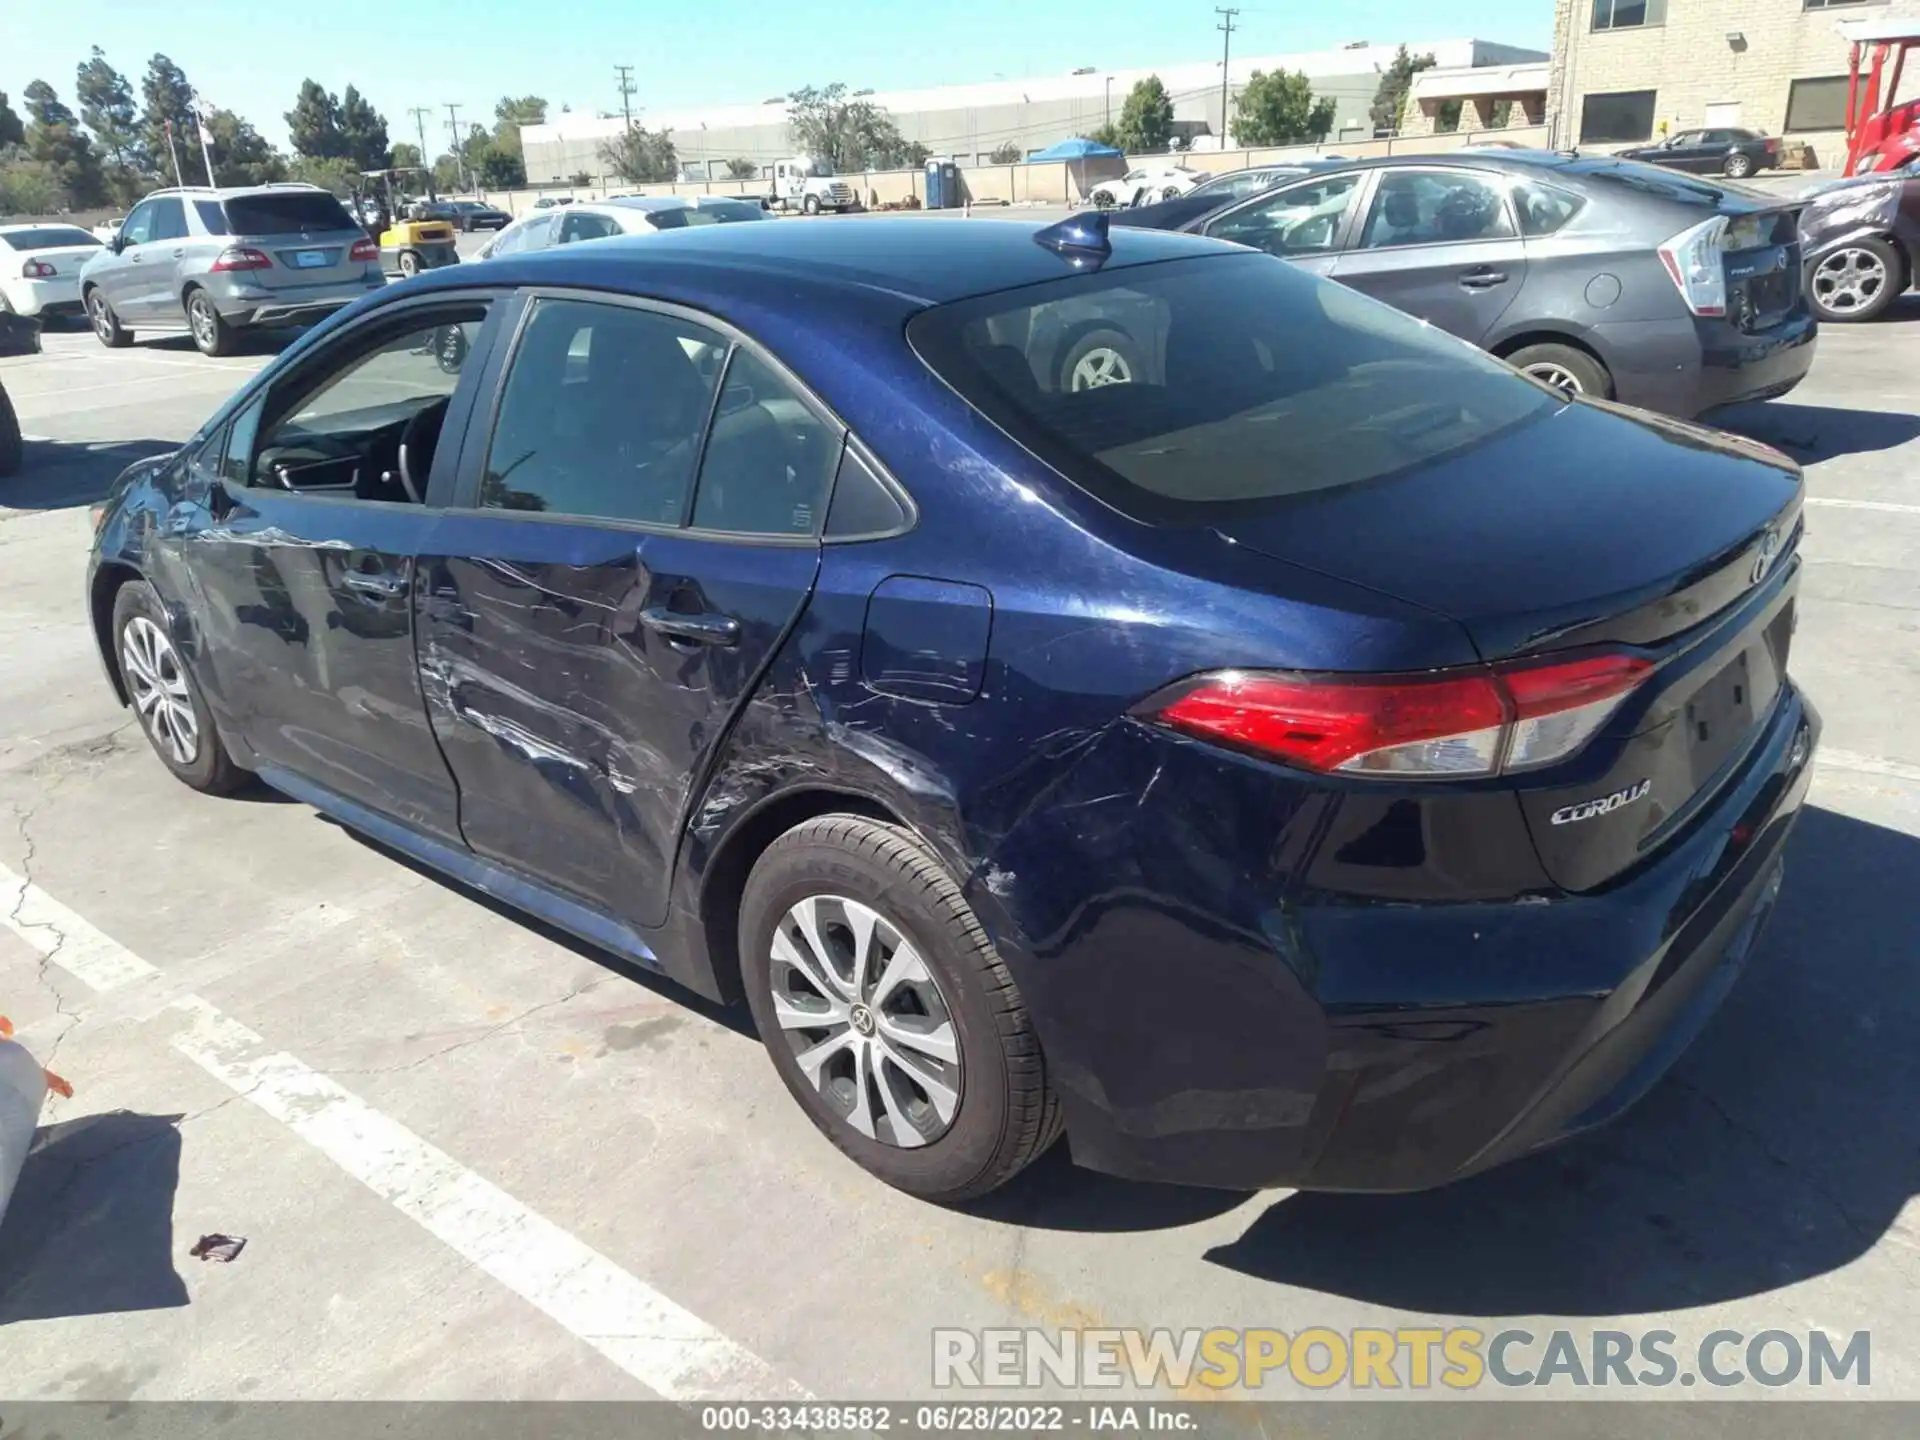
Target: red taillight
pixel 1457 723
pixel 37 270
pixel 242 257
pixel 363 250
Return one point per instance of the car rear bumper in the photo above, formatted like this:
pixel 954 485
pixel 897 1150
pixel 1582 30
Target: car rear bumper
pixel 59 296
pixel 292 305
pixel 1689 365
pixel 1306 1039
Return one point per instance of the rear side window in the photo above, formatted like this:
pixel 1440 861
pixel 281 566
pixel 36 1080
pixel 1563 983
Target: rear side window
pixel 1247 381
pixel 212 218
pixel 602 414
pixel 47 237
pixel 286 213
pixel 1434 207
pixel 1542 208
pixel 769 458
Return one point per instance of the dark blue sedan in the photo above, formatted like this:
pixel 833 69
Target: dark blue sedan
pixel 1321 757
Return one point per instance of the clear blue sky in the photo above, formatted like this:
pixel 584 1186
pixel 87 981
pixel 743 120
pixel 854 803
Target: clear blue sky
pixel 401 53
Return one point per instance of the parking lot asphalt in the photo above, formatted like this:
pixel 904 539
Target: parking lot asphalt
pixel 474 1159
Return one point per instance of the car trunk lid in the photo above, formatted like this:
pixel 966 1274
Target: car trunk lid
pixel 1679 546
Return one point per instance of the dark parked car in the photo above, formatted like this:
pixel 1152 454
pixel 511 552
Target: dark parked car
pixel 1599 275
pixel 19 335
pixel 1859 238
pixel 1333 759
pixel 471 215
pixel 1721 150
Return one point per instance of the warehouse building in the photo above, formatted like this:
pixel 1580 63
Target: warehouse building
pixel 1630 70
pixel 968 123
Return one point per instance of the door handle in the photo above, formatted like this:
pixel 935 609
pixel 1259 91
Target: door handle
pixel 387 587
pixel 1483 279
pixel 178 253
pixel 691 629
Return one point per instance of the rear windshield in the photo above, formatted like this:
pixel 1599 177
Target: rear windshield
pixel 286 214
pixel 1177 390
pixel 48 237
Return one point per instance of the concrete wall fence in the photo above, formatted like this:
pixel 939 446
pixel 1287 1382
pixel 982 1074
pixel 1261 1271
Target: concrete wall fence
pixel 1042 183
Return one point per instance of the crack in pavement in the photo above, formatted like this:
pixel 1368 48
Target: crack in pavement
pixel 483 1036
pixel 14 918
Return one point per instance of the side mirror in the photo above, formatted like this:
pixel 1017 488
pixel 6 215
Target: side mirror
pixel 119 241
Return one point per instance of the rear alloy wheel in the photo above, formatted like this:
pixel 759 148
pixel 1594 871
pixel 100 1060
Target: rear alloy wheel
pixel 1571 371
pixel 1097 358
pixel 106 325
pixel 211 334
pixel 168 702
pixel 888 1013
pixel 1738 166
pixel 1857 282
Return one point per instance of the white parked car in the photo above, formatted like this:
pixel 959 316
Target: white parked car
pixel 107 229
pixel 40 268
pixel 1144 186
pixel 647 215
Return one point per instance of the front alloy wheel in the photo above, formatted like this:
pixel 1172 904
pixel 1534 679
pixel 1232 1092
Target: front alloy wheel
pixel 868 1024
pixel 158 686
pixel 1853 284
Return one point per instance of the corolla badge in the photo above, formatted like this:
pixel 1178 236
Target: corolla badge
pixel 1602 805
pixel 1769 552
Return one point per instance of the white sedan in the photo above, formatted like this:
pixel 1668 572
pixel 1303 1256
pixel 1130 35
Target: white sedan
pixel 40 268
pixel 1144 186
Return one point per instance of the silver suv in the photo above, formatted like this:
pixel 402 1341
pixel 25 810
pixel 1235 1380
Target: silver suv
pixel 214 262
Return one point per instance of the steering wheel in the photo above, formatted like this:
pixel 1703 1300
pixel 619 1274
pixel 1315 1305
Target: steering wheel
pixel 417 440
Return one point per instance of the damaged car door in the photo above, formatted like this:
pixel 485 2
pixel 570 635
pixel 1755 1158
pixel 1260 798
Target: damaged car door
pixel 636 532
pixel 319 491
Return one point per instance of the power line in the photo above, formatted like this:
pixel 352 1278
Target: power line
pixel 1225 27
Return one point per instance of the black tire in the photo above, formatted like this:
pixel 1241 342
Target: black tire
pixel 1566 367
pixel 409 263
pixel 1737 166
pixel 1007 1114
pixel 107 328
pixel 12 448
pixel 209 768
pixel 212 335
pixel 1826 299
pixel 1123 363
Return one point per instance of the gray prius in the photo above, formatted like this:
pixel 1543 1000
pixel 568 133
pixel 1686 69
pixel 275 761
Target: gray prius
pixel 212 263
pixel 1601 276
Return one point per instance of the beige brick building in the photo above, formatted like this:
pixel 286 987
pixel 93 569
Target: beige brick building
pixel 1629 70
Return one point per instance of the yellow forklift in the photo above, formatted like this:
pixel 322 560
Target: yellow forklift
pixel 410 238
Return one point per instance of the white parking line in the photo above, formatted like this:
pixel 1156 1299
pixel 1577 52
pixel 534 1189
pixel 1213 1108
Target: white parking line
pixel 1868 764
pixel 1885 507
pixel 670 1350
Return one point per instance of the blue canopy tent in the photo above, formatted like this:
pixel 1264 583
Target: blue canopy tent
pixel 1088 161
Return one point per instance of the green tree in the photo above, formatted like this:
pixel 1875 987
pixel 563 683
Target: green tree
pixel 166 100
pixel 405 154
pixel 241 154
pixel 1107 134
pixel 1277 108
pixel 27 188
pixel 1146 120
pixel 363 130
pixel 107 106
pixel 848 132
pixel 334 173
pixel 1008 154
pixel 1390 96
pixel 742 169
pixel 12 132
pixel 314 123
pixel 511 114
pixel 500 169
pixel 55 140
pixel 448 173
pixel 913 155
pixel 640 155
pixel 1502 113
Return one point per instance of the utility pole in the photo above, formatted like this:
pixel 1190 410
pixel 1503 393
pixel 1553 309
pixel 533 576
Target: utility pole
pixel 420 113
pixel 625 72
pixel 1109 102
pixel 1225 27
pixel 459 157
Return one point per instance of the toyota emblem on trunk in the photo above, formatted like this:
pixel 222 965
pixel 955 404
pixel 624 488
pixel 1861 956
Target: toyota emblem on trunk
pixel 1763 562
